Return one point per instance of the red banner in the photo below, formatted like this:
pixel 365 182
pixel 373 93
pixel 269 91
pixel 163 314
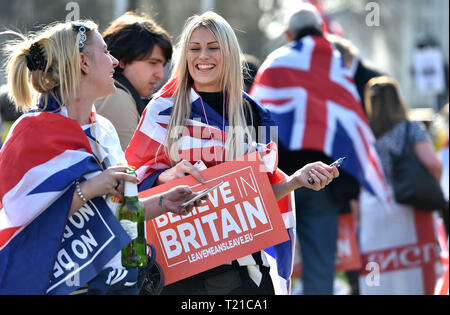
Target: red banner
pixel 239 218
pixel 347 249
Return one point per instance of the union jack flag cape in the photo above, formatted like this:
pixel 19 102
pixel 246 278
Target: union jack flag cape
pixel 42 251
pixel 314 102
pixel 203 140
pixel 443 155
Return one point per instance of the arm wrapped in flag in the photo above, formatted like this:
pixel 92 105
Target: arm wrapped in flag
pixel 42 157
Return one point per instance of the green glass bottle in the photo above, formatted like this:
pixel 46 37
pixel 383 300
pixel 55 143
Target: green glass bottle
pixel 132 218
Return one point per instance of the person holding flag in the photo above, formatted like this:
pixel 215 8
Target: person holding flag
pixel 202 114
pixel 59 163
pixel 406 253
pixel 314 101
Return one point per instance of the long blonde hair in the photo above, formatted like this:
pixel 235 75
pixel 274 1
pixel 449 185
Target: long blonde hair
pixel 231 83
pixel 58 43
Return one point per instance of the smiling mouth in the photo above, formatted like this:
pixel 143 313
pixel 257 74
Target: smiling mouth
pixel 203 67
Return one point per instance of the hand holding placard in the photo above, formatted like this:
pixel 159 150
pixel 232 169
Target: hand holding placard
pixel 202 194
pixel 240 217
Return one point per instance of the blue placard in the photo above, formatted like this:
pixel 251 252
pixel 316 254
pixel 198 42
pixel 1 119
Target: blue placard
pixel 91 238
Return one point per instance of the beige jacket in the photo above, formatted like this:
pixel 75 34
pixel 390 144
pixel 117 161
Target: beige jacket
pixel 120 109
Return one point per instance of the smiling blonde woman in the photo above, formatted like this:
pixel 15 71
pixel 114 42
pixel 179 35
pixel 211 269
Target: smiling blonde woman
pixel 203 114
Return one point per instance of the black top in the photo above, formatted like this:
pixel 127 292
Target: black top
pixel 215 101
pixel 343 188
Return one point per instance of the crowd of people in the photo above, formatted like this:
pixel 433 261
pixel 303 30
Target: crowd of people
pixel 95 103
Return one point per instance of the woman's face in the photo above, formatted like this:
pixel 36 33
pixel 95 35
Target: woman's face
pixel 205 61
pixel 101 66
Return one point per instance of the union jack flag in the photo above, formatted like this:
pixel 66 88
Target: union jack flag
pixel 40 247
pixel 443 155
pixel 314 102
pixel 203 140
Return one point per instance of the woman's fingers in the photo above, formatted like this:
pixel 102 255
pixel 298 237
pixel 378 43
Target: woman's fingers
pixel 335 171
pixel 118 168
pixel 178 196
pixel 116 177
pixel 110 181
pixel 187 209
pixel 120 176
pixel 316 181
pixel 118 195
pixel 324 175
pixel 182 169
pixel 185 167
pixel 320 175
pixel 200 201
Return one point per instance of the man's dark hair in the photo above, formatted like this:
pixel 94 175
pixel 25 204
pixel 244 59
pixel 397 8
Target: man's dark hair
pixel 132 36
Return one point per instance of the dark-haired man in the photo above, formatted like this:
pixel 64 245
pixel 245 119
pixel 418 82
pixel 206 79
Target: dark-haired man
pixel 142 48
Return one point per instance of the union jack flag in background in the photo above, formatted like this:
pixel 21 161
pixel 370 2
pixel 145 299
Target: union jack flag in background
pixel 314 102
pixel 203 140
pixel 40 247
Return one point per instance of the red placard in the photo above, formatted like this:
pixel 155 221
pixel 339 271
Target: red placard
pixel 239 218
pixel 347 249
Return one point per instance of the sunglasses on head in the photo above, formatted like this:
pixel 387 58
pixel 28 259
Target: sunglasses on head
pixel 82 29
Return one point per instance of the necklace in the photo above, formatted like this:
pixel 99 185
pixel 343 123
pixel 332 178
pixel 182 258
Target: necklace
pixel 99 158
pixel 209 127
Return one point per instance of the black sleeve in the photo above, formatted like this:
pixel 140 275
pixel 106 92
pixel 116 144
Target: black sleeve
pixel 344 188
